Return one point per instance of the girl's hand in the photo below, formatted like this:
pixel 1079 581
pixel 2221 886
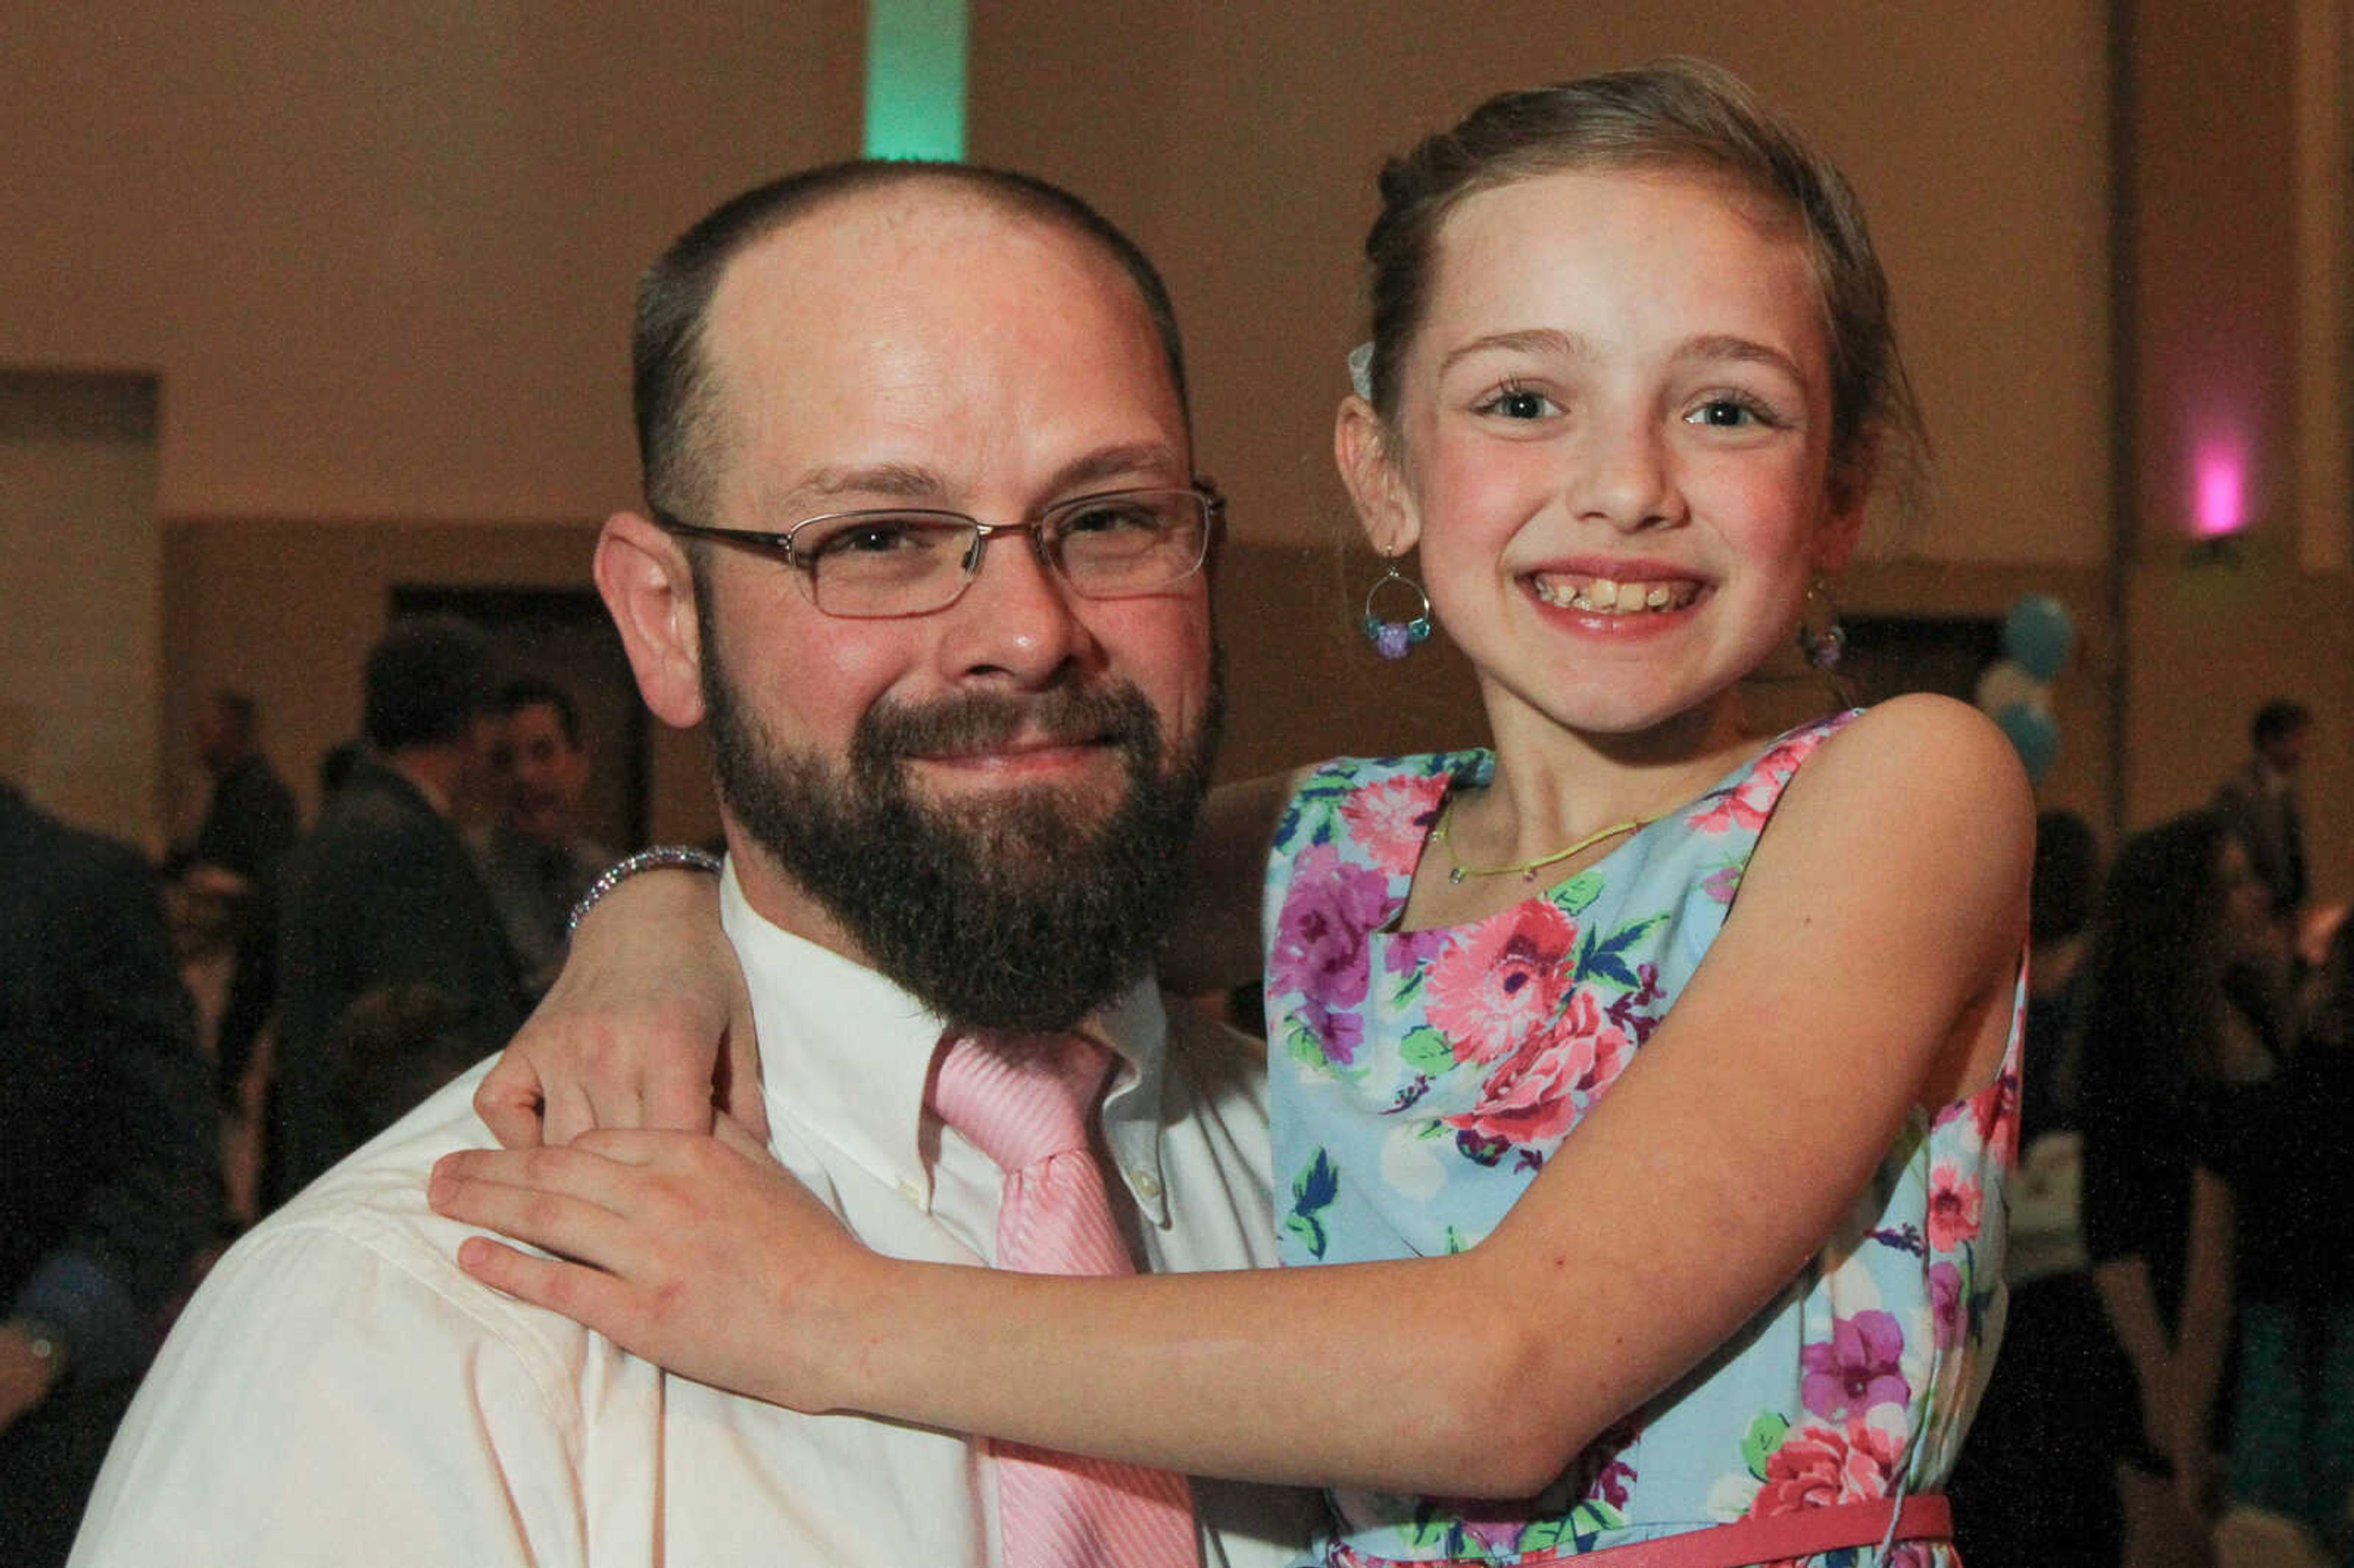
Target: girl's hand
pixel 649 1025
pixel 700 1254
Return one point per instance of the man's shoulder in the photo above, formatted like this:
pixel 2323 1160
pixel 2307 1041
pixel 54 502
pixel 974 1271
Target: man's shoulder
pixel 366 1222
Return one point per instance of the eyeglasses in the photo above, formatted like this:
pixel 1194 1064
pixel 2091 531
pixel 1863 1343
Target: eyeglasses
pixel 895 561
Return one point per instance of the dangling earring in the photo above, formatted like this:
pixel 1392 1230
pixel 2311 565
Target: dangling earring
pixel 1821 638
pixel 1396 639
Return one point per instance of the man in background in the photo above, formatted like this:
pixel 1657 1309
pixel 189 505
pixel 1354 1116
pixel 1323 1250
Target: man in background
pixel 251 825
pixel 533 857
pixel 385 892
pixel 109 1168
pixel 2259 804
pixel 251 821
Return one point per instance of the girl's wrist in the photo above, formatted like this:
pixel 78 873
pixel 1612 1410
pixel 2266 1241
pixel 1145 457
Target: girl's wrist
pixel 851 1340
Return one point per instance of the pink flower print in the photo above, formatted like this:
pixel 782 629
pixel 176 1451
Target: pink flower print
pixel 1945 1304
pixel 1390 820
pixel 1320 946
pixel 1748 803
pixel 1723 883
pixel 1816 1466
pixel 1858 1369
pixel 1745 805
pixel 1490 992
pixel 1997 1108
pixel 1993 1113
pixel 1955 1202
pixel 1540 1090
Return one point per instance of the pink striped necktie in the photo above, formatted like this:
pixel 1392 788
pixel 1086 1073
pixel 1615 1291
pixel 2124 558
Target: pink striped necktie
pixel 1024 1102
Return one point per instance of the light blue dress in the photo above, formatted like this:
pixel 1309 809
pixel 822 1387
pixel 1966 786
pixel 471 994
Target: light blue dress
pixel 1422 1079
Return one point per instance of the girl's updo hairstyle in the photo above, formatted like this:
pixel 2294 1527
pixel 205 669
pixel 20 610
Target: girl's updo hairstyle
pixel 1676 112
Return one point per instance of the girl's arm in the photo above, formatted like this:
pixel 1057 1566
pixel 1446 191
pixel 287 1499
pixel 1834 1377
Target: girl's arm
pixel 649 1024
pixel 1869 966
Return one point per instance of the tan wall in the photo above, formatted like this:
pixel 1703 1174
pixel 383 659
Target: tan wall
pixel 379 252
pixel 2238 338
pixel 78 706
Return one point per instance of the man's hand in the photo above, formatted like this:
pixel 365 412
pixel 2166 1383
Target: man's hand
pixel 649 1025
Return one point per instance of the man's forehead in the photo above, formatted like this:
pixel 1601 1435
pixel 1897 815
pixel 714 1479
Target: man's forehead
pixel 933 310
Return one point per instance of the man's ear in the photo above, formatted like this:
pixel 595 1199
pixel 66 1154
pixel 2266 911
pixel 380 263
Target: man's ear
pixel 1362 451
pixel 647 588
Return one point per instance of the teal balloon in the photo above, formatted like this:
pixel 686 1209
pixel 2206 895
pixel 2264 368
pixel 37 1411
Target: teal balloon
pixel 2037 635
pixel 2034 734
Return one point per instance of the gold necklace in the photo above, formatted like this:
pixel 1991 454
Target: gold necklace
pixel 1527 868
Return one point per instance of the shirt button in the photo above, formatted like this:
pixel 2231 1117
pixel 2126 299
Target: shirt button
pixel 1146 1183
pixel 913 1193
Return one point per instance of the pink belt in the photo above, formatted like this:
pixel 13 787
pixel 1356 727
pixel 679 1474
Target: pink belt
pixel 1773 1538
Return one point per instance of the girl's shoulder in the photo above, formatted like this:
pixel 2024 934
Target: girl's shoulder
pixel 1909 719
pixel 1919 784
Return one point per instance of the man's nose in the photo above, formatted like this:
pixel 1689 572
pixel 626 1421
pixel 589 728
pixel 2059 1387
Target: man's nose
pixel 1018 621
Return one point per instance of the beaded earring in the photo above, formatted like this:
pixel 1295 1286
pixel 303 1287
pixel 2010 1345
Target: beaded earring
pixel 1821 638
pixel 1396 639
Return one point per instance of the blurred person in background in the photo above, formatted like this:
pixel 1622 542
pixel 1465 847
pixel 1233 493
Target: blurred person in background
pixel 2259 804
pixel 2164 1035
pixel 109 1184
pixel 385 892
pixel 533 858
pixel 2269 1294
pixel 251 823
pixel 2036 1486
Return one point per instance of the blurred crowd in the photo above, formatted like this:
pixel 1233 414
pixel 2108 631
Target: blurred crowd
pixel 2177 1378
pixel 192 1043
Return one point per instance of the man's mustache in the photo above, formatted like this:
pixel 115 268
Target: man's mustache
pixel 1114 713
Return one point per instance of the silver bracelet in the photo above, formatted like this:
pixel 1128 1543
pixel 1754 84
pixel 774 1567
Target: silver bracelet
pixel 682 857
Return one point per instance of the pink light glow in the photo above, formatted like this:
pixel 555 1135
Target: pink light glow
pixel 2222 505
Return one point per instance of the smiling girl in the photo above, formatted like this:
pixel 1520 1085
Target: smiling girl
pixel 1642 1086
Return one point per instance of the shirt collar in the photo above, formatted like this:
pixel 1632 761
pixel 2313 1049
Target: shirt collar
pixel 847 1054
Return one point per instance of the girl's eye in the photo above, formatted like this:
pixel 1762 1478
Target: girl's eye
pixel 1519 403
pixel 1728 414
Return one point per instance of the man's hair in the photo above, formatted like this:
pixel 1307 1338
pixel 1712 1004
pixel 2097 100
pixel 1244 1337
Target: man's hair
pixel 2278 720
pixel 427 681
pixel 531 692
pixel 671 374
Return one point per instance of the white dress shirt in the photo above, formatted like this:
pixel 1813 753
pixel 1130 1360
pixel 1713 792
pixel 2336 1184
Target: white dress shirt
pixel 339 1392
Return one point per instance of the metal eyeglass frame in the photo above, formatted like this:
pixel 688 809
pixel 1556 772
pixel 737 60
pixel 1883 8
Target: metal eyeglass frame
pixel 781 545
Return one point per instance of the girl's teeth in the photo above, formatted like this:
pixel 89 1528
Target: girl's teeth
pixel 1602 596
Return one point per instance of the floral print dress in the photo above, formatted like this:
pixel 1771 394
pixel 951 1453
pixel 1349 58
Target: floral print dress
pixel 1421 1080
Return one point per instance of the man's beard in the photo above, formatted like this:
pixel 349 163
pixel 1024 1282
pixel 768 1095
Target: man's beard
pixel 1005 912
